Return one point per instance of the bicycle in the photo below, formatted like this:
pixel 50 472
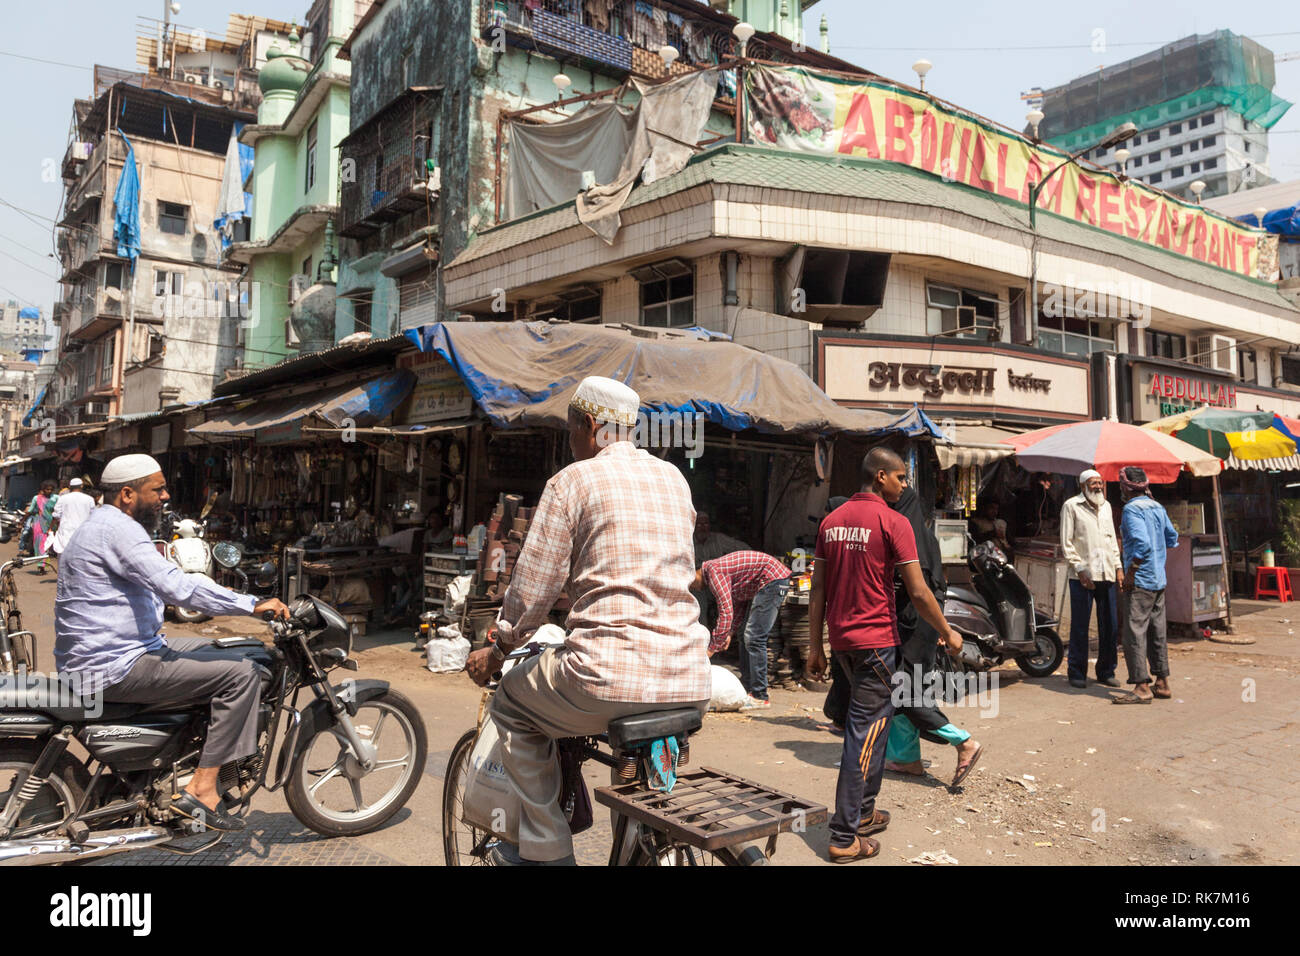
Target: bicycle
pixel 704 820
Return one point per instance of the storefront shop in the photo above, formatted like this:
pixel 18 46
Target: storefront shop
pixel 1255 497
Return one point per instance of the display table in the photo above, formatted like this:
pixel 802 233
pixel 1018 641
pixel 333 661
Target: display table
pixel 1041 563
pixel 1197 588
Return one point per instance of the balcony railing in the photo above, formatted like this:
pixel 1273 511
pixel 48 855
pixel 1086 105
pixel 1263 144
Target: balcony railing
pixel 388 156
pixel 626 39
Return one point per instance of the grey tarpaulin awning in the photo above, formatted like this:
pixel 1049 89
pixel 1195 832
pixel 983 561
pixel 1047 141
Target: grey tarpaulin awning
pixel 361 405
pixel 974 445
pixel 523 374
pixel 403 431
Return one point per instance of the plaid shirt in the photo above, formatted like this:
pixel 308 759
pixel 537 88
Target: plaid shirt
pixel 616 529
pixel 734 579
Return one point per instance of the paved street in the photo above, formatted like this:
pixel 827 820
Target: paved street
pixel 1208 777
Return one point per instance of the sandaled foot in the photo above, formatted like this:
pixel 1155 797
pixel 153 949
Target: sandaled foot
pixel 1161 689
pixel 965 767
pixel 192 808
pixel 862 848
pixel 879 820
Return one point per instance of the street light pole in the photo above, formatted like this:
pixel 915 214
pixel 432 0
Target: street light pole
pixel 1120 135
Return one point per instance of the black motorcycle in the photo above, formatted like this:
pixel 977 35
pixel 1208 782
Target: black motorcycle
pixel 348 760
pixel 997 619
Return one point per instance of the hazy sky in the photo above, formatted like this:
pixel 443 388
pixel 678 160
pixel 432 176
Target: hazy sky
pixel 984 56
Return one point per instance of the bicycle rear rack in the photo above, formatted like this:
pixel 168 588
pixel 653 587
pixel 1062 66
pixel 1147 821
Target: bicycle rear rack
pixel 710 809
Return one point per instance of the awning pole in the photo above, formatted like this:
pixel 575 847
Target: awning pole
pixel 1223 549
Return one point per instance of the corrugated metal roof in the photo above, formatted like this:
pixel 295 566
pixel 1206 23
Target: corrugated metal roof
pixel 337 359
pixel 877 180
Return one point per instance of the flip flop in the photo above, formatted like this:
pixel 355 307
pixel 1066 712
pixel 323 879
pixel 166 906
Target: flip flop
pixel 965 768
pixel 1130 699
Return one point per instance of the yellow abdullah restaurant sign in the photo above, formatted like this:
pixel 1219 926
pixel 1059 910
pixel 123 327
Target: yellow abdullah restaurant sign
pixel 799 109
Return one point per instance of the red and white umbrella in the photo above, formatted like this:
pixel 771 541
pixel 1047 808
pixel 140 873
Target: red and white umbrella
pixel 1109 446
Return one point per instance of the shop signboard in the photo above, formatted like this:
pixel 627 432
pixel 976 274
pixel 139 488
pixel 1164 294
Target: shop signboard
pixel 796 108
pixel 1160 391
pixel 280 434
pixel 964 379
pixel 439 393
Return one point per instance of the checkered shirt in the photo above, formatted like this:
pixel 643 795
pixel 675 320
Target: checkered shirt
pixel 734 579
pixel 614 531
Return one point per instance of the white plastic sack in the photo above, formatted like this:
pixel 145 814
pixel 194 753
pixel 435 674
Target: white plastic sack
pixel 728 691
pixel 447 656
pixel 456 592
pixel 490 802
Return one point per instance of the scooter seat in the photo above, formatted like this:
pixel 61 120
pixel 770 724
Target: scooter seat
pixel 966 596
pixel 628 733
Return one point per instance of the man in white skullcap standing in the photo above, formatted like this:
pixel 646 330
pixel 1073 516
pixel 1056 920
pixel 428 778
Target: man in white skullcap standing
pixel 1092 551
pixel 108 612
pixel 70 512
pixel 615 527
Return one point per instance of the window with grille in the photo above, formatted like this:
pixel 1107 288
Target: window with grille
pixel 419 298
pixel 667 294
pixel 172 217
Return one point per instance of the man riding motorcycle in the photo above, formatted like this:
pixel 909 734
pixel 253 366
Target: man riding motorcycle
pixel 614 531
pixel 108 612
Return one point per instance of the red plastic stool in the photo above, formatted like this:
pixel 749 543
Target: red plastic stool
pixel 1281 588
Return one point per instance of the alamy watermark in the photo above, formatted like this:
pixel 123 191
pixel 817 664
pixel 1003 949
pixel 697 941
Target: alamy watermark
pixel 658 430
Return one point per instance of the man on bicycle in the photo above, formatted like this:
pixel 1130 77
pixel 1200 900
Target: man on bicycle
pixel 614 530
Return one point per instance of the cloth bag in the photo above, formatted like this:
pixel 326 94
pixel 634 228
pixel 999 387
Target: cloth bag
pixel 490 802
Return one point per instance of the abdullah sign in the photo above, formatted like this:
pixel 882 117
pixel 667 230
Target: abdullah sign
pixel 799 109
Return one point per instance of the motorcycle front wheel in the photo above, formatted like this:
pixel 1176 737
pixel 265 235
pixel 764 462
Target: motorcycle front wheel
pixel 1047 656
pixel 333 794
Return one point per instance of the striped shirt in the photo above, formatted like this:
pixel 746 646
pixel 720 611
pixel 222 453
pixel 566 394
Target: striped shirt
pixel 734 579
pixel 615 532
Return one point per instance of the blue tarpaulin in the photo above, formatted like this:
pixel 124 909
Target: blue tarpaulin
pixel 29 313
pixel 1281 222
pixel 359 406
pixel 126 208
pixel 523 374
pixel 27 419
pixel 234 204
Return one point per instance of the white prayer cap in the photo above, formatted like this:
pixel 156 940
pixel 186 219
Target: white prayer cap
pixel 1088 475
pixel 75 483
pixel 127 468
pixel 606 400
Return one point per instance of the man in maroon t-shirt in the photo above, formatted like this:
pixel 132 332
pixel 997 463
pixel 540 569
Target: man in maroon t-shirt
pixel 858 546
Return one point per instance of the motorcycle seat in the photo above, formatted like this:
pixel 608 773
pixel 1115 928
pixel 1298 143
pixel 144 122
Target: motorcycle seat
pixel 628 733
pixel 60 699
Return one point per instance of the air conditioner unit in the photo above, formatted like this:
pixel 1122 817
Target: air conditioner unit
pixel 218 85
pixel 298 284
pixel 193 78
pixel 1218 352
pixel 97 408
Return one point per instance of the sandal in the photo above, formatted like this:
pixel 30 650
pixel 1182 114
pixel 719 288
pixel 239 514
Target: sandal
pixel 862 848
pixel 965 768
pixel 879 820
pixel 1130 699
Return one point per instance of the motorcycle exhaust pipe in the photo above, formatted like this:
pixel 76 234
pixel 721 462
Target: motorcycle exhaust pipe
pixel 41 851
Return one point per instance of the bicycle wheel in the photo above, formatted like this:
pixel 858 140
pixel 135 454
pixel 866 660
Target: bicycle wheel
pixel 462 844
pixel 667 852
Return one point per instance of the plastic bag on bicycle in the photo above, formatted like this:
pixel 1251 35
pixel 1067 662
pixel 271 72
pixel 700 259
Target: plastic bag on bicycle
pixel 661 764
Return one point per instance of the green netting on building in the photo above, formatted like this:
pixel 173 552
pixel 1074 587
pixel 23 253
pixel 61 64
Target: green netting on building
pixel 1177 81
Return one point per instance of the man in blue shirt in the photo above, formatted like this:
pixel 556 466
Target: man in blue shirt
pixel 1147 533
pixel 108 613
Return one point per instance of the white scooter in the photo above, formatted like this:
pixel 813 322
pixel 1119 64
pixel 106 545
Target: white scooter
pixel 191 554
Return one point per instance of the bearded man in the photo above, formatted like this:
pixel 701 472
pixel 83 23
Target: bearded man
pixel 1096 574
pixel 108 615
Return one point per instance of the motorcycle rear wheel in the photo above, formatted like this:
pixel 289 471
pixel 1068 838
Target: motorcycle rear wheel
pixel 1049 651
pixel 326 758
pixel 57 800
